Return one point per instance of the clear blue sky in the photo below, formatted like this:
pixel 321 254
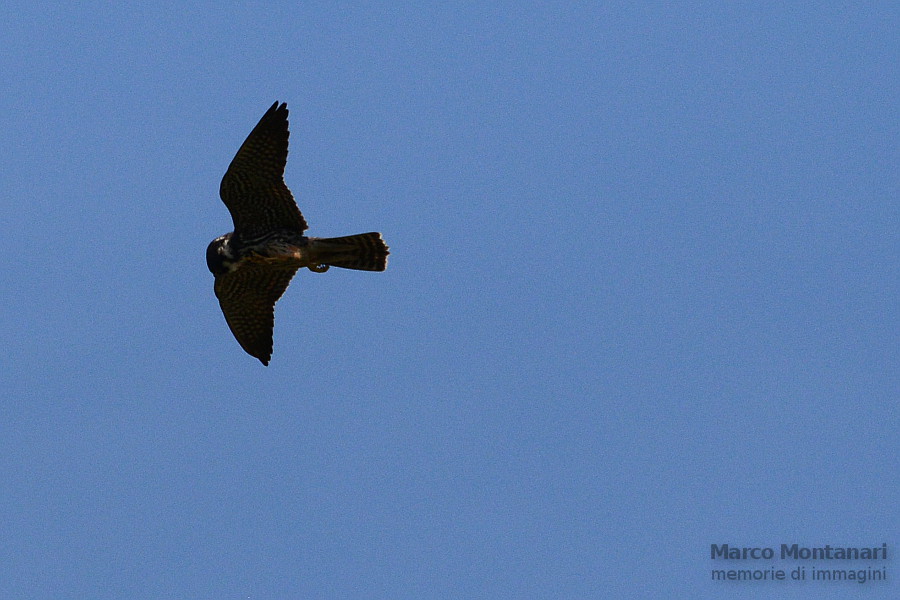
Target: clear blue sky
pixel 643 297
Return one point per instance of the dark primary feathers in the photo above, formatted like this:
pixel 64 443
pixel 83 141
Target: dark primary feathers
pixel 247 297
pixel 253 188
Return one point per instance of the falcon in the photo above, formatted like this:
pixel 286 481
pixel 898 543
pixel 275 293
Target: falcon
pixel 254 264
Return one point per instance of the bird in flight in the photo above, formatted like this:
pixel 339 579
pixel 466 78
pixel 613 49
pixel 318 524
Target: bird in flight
pixel 254 264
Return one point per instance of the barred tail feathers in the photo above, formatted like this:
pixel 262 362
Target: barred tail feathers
pixel 364 252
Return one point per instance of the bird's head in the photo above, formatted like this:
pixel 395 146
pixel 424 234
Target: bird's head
pixel 219 255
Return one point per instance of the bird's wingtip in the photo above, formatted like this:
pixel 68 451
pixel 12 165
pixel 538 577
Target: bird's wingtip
pixel 276 107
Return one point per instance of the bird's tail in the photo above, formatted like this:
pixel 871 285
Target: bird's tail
pixel 364 251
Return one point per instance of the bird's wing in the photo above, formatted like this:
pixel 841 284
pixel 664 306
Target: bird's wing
pixel 253 188
pixel 247 296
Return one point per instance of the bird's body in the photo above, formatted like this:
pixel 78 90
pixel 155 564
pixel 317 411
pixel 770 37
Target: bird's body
pixel 254 264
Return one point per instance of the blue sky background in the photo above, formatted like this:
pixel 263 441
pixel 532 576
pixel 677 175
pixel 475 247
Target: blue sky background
pixel 642 298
